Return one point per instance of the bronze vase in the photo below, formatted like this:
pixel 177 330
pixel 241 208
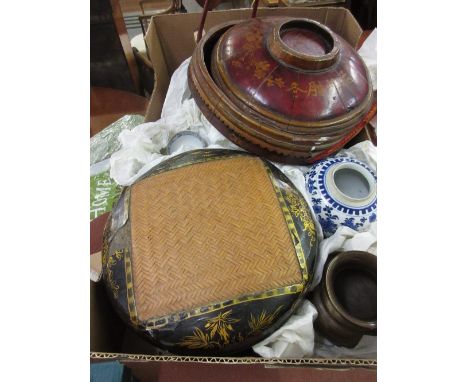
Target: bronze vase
pixel 346 299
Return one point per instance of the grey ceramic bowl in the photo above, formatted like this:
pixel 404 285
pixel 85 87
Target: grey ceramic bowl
pixel 188 138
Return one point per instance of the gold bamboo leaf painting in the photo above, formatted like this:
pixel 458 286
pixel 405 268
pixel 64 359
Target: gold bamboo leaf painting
pixel 219 330
pixel 199 340
pixel 300 210
pixel 262 321
pixel 221 325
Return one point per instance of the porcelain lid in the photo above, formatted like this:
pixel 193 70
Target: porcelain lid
pixel 291 70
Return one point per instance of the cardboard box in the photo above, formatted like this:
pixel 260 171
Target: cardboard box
pixel 170 41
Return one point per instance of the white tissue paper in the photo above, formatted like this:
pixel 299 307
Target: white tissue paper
pixel 366 348
pixel 141 147
pixel 345 239
pixel 142 150
pixel 295 339
pixel 368 53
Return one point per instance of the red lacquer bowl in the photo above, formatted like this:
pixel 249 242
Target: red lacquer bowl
pixel 288 89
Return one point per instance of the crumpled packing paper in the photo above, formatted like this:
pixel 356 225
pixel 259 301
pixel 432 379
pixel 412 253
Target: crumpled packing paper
pixel 345 239
pixel 103 144
pixel 368 53
pixel 295 339
pixel 142 149
pixel 366 348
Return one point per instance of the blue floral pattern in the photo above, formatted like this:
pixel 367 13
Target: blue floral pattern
pixel 327 221
pixel 316 205
pixel 310 182
pixel 349 222
pixel 330 213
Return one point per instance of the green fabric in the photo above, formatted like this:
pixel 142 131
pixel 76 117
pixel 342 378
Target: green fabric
pixel 111 372
pixel 107 371
pixel 104 192
pixel 106 142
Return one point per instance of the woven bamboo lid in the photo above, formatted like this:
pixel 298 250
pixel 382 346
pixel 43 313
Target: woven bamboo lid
pixel 206 235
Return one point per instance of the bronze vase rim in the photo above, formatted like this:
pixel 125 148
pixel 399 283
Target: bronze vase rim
pixel 340 259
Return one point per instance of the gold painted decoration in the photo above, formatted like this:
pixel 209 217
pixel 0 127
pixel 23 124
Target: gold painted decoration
pixel 262 321
pixel 219 330
pixel 300 209
pixel 111 261
pixel 221 325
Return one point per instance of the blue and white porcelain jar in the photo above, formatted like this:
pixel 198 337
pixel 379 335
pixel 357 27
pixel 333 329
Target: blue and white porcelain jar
pixel 343 191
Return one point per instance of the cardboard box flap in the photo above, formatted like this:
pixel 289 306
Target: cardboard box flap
pixel 161 73
pixel 170 38
pixel 351 29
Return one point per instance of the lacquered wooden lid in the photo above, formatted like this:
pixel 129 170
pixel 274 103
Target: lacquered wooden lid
pixel 290 70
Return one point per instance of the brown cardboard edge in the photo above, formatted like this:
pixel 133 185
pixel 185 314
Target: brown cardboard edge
pixel 161 76
pixel 351 27
pixel 328 363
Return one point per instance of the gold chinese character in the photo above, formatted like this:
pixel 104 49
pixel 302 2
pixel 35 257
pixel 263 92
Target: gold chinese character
pixel 261 69
pixel 294 87
pixel 315 89
pixel 279 82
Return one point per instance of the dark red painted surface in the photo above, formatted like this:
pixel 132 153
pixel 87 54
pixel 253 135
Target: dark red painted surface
pixel 304 41
pixel 291 92
pixel 96 232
